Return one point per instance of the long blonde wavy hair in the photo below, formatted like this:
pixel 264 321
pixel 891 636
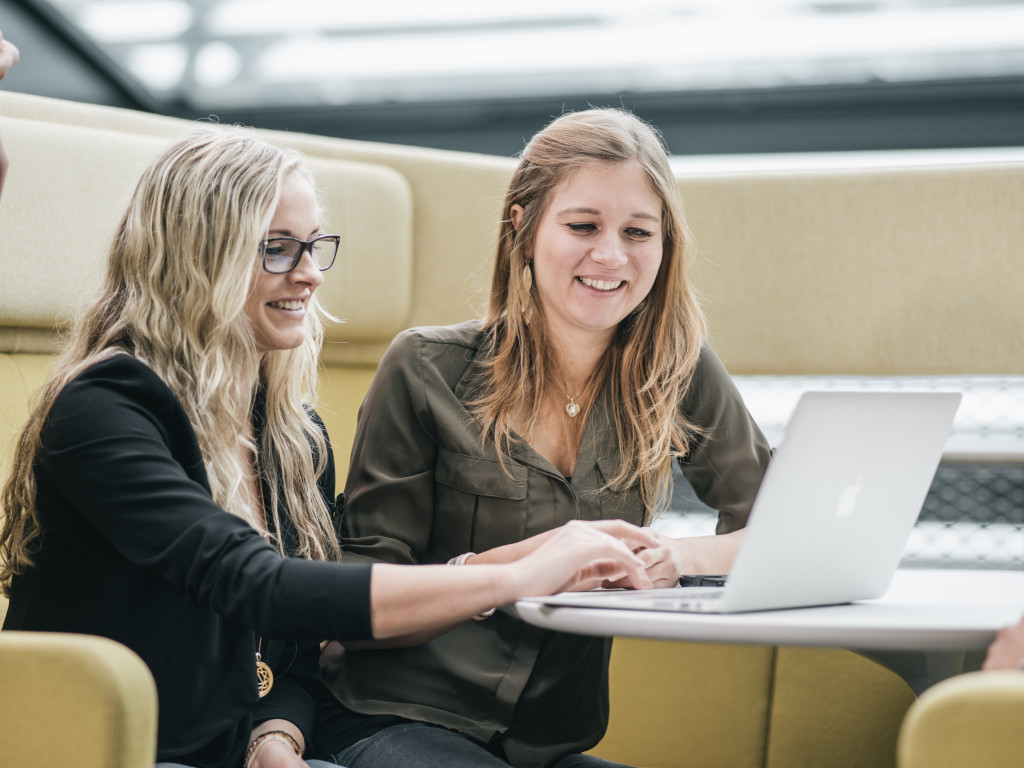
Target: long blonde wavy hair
pixel 183 260
pixel 650 363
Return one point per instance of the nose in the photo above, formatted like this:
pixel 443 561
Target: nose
pixel 609 251
pixel 306 271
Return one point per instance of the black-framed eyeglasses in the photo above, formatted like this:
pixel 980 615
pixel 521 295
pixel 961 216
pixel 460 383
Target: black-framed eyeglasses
pixel 282 254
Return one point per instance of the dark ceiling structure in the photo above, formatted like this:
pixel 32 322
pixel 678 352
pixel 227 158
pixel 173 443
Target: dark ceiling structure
pixel 953 78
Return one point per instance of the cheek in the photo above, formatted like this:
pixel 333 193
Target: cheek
pixel 545 278
pixel 258 292
pixel 554 258
pixel 651 266
pixel 252 311
pixel 252 304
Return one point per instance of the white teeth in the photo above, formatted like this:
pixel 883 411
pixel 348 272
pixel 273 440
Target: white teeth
pixel 293 305
pixel 601 285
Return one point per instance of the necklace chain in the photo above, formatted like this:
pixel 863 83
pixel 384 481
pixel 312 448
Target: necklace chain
pixel 264 674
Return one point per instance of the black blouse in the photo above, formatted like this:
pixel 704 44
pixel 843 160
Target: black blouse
pixel 135 549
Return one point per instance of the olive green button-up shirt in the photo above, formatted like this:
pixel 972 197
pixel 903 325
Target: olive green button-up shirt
pixel 422 488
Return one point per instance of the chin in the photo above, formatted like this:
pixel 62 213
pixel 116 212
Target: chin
pixel 279 343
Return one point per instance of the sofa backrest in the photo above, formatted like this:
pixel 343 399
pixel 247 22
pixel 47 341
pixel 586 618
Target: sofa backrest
pixel 68 186
pixel 871 272
pixel 417 225
pixel 895 271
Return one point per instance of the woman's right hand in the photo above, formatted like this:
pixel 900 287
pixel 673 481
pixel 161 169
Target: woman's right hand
pixel 582 555
pixel 410 604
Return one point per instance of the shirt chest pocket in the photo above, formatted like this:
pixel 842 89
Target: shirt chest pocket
pixel 622 505
pixel 478 503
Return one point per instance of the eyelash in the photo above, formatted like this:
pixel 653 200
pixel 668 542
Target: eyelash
pixel 634 232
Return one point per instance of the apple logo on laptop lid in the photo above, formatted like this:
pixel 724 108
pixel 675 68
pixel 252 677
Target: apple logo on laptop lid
pixel 848 498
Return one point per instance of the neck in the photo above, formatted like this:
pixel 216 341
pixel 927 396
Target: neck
pixel 251 373
pixel 577 361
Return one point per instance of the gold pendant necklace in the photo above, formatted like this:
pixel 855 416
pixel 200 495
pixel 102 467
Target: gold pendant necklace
pixel 264 674
pixel 572 407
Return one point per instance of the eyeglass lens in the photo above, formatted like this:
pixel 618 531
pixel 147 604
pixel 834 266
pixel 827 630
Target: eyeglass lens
pixel 282 254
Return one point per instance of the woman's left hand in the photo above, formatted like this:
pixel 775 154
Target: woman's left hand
pixel 672 558
pixel 664 563
pixel 275 754
pixel 276 751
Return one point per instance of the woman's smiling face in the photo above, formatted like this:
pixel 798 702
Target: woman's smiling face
pixel 597 250
pixel 277 304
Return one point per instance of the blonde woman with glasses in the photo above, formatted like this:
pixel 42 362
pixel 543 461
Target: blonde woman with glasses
pixel 174 489
pixel 569 401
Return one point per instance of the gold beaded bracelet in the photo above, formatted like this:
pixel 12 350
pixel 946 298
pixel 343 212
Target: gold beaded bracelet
pixel 284 736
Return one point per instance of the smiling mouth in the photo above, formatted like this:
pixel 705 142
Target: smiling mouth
pixel 293 304
pixel 601 285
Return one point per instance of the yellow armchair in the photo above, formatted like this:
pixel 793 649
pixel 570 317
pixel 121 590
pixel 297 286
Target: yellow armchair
pixel 74 700
pixel 970 721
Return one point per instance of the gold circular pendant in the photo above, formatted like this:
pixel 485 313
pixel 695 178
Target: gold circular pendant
pixel 264 678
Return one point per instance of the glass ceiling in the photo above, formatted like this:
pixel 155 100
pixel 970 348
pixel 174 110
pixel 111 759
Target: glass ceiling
pixel 214 54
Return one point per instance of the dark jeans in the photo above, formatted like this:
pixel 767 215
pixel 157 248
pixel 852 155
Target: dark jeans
pixel 419 745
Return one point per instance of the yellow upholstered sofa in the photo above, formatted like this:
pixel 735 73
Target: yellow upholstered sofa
pixel 910 271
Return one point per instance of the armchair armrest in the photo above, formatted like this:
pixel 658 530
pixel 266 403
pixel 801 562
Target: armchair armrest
pixel 74 700
pixel 971 720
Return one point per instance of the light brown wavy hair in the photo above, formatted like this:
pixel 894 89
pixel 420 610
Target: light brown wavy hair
pixel 183 260
pixel 650 363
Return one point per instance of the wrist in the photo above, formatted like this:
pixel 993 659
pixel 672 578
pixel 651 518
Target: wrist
pixel 268 740
pixel 683 556
pixel 510 553
pixel 463 559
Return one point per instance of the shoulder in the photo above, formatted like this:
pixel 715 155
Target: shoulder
pixel 443 347
pixel 710 387
pixel 710 370
pixel 465 335
pixel 117 389
pixel 120 375
pixel 713 400
pixel 428 359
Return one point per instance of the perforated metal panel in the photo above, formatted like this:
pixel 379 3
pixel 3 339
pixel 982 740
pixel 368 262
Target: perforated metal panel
pixel 973 516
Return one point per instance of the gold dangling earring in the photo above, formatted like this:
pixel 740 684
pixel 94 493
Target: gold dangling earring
pixel 527 285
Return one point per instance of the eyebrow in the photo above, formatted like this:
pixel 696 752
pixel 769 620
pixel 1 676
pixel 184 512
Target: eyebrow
pixel 595 212
pixel 289 233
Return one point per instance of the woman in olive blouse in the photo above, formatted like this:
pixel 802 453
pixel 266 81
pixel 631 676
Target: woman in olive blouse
pixel 589 375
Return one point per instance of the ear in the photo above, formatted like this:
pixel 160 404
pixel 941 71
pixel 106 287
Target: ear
pixel 515 215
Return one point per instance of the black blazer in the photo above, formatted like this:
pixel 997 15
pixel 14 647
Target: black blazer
pixel 135 549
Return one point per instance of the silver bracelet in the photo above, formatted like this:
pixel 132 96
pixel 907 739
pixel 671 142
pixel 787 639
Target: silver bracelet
pixel 461 560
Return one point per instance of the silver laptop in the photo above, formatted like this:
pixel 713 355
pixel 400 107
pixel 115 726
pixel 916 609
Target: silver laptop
pixel 833 514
